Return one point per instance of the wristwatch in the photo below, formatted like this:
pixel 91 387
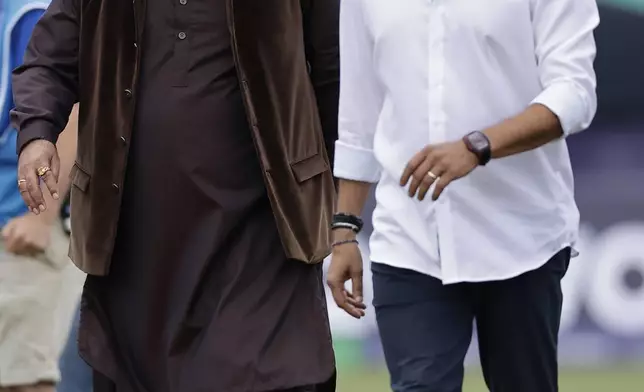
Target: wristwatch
pixel 479 145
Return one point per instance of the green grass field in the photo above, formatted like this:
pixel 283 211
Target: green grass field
pixel 618 379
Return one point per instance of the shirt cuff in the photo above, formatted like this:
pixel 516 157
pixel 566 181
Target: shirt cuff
pixel 355 163
pixel 564 100
pixel 35 130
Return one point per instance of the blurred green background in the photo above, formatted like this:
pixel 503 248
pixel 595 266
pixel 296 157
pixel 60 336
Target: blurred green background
pixel 357 375
pixel 630 5
pixel 626 378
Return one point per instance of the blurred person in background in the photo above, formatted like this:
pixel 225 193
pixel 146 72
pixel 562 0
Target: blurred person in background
pixel 34 267
pixel 480 223
pixel 202 192
pixel 75 373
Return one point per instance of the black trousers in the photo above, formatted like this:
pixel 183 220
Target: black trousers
pixel 426 328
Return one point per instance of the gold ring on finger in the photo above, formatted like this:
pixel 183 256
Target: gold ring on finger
pixel 432 175
pixel 41 171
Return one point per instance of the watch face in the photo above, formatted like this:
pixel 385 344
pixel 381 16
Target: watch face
pixel 479 142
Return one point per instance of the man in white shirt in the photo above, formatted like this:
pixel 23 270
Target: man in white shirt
pixel 458 110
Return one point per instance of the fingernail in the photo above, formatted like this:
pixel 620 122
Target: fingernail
pixel 359 299
pixel 41 207
pixel 35 210
pixel 55 196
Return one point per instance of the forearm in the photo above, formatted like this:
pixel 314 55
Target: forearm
pixel 565 51
pixel 67 151
pixel 66 147
pixel 532 128
pixel 352 196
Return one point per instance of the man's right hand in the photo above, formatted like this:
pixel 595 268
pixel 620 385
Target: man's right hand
pixel 38 161
pixel 346 264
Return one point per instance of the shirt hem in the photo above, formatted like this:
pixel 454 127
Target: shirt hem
pixel 467 279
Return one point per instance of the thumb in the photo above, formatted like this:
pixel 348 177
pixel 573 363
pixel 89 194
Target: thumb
pixel 55 165
pixel 336 291
pixel 356 282
pixel 7 230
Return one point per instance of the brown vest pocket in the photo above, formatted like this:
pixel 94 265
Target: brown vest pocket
pixel 310 167
pixel 80 179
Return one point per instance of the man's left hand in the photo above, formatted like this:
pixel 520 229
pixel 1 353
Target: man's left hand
pixel 441 163
pixel 27 235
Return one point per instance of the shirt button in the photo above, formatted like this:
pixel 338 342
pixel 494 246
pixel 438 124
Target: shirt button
pixel 128 93
pixel 115 188
pixel 182 35
pixel 123 141
pixel 183 2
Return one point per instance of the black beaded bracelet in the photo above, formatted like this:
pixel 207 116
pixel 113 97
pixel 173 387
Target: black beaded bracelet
pixel 344 242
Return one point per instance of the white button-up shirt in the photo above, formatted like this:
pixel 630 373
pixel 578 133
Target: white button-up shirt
pixel 418 72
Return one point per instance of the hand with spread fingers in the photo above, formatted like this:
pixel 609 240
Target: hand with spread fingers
pixel 440 164
pixel 38 163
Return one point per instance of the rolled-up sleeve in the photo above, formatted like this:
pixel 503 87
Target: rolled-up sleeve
pixel 360 98
pixel 45 86
pixel 565 51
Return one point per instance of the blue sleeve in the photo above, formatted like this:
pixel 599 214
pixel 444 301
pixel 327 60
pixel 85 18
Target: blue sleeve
pixel 21 34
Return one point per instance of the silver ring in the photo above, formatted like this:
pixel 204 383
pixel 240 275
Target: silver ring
pixel 432 175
